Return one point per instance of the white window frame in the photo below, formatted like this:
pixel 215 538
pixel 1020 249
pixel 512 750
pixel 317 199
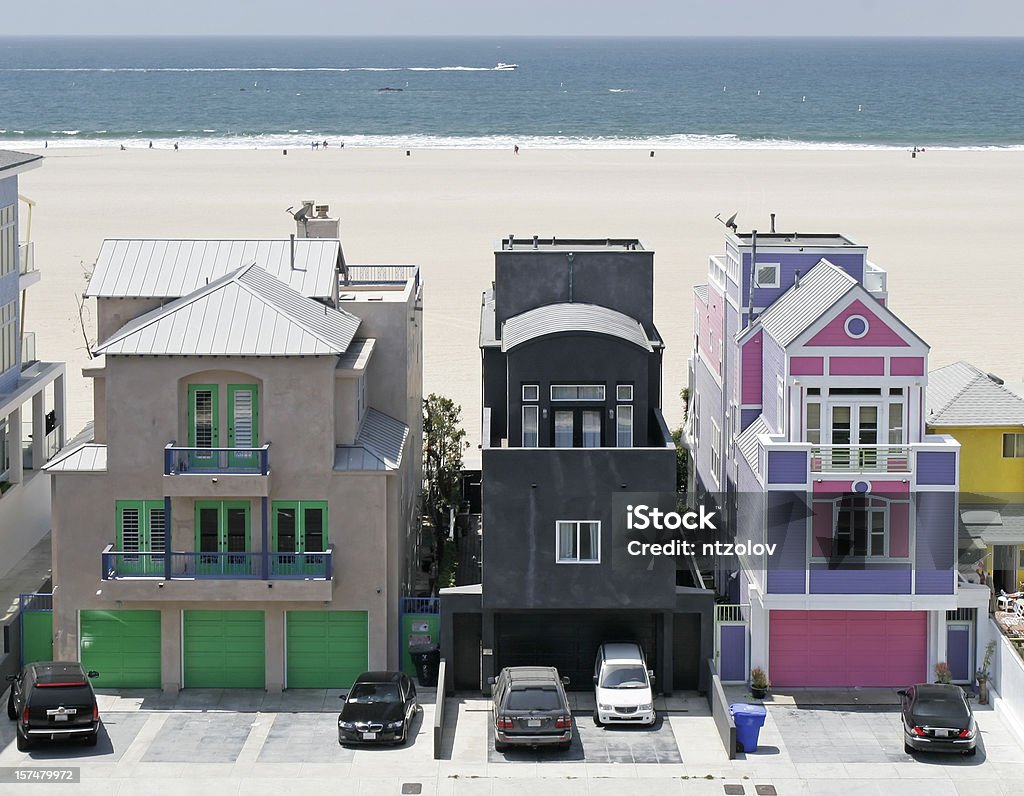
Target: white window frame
pixel 776 270
pixel 620 412
pixel 1016 442
pixel 624 393
pixel 837 508
pixel 577 525
pixel 8 336
pixel 535 411
pixel 716 451
pixel 578 388
pixel 535 388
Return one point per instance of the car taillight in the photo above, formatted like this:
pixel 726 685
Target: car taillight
pixel 95 712
pixel 968 733
pixel 563 722
pixel 918 732
pixel 24 715
pixel 504 723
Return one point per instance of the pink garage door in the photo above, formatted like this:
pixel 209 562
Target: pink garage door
pixel 847 648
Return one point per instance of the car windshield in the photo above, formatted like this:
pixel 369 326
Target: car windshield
pixel 533 698
pixel 623 675
pixel 940 706
pixel 373 693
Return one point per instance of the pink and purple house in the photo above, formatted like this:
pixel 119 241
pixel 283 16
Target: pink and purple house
pixel 807 424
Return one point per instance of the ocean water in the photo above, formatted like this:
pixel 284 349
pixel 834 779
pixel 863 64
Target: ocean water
pixel 566 92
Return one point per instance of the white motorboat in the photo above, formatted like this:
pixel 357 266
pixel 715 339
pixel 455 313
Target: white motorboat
pixel 503 67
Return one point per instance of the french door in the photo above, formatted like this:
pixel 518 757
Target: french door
pixel 299 536
pixel 243 425
pixel 203 429
pixel 141 532
pixel 578 428
pixel 222 528
pixel 852 425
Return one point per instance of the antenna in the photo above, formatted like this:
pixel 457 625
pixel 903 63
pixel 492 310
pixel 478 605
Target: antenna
pixel 730 223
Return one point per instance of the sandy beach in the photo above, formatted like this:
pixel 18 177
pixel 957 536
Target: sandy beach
pixel 944 225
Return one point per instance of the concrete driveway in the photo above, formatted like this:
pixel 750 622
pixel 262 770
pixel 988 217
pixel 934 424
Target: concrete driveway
pixel 252 743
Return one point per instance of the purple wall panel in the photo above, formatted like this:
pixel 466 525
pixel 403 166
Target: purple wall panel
pixel 958 651
pixel 732 664
pixel 787 528
pixel 879 579
pixel 790 263
pixel 787 467
pixel 935 468
pixel 748 416
pixel 936 542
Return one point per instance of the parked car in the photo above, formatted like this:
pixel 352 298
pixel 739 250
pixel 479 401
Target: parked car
pixel 379 708
pixel 530 708
pixel 622 685
pixel 938 718
pixel 53 701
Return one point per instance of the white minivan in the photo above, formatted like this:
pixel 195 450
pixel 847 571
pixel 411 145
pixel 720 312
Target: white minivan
pixel 622 685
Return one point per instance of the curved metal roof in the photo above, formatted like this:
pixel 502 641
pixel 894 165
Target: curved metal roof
pixel 574 317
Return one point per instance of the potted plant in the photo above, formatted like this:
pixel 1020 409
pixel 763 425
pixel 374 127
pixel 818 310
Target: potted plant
pixel 984 673
pixel 943 674
pixel 758 683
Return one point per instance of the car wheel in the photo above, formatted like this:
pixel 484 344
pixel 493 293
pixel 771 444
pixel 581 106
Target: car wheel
pixel 972 752
pixel 12 714
pixel 597 720
pixel 24 744
pixel 908 748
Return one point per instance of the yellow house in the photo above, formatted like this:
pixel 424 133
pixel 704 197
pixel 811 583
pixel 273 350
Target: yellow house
pixel 987 418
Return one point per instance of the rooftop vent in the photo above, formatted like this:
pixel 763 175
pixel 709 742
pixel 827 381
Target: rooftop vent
pixel 322 211
pixel 994 378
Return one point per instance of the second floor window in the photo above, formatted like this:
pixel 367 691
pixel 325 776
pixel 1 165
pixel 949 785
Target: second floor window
pixel 860 528
pixel 716 450
pixel 624 426
pixel 579 542
pixel 1013 446
pixel 577 392
pixel 531 426
pixel 577 428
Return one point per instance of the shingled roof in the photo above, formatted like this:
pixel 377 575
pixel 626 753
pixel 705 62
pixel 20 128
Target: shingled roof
pixel 963 395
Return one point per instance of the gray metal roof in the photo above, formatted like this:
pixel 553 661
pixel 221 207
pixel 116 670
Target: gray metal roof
pixel 87 458
pixel 245 313
pixel 174 268
pixel 701 292
pixel 746 441
pixel 9 159
pixel 963 395
pixel 573 317
pixel 357 357
pixel 803 304
pixel 379 445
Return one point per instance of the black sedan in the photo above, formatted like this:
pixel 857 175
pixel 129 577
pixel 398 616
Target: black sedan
pixel 53 701
pixel 379 708
pixel 938 718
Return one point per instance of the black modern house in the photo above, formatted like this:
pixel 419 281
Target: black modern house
pixel 572 433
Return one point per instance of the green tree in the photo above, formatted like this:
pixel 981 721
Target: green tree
pixel 682 454
pixel 444 440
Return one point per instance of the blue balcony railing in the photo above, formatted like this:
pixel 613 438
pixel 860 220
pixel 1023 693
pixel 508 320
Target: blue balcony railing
pixel 118 564
pixel 219 461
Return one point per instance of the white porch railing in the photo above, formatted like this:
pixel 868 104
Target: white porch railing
pixel 861 459
pixel 26 258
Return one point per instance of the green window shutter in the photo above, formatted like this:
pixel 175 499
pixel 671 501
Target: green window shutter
pixel 243 423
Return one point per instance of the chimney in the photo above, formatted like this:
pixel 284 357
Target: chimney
pixel 796 281
pixel 773 223
pixel 511 240
pixel 318 223
pixel 535 241
pixel 291 251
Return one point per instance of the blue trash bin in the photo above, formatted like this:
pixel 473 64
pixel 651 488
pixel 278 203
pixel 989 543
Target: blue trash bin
pixel 749 720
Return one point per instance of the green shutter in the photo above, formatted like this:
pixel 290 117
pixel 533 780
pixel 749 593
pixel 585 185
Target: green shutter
pixel 123 646
pixel 224 649
pixel 326 649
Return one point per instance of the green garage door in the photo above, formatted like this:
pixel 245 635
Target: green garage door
pixel 123 646
pixel 224 649
pixel 326 649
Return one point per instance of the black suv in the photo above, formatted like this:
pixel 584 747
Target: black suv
pixel 53 701
pixel 530 708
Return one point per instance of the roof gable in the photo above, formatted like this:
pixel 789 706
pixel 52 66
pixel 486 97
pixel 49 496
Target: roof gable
pixel 877 331
pixel 572 317
pixel 805 302
pixel 244 313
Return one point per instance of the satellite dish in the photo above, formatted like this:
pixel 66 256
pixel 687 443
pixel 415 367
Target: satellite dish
pixel 731 223
pixel 300 214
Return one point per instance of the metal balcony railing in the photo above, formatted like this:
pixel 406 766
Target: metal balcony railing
pixel 26 258
pixel 28 348
pixel 227 461
pixel 117 564
pixel 861 459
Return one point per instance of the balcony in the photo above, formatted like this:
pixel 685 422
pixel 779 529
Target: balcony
pixel 27 265
pixel 844 459
pixel 216 472
pixel 210 576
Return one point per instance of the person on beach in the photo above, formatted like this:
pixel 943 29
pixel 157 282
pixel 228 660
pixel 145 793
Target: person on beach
pixel 325 143
pixel 122 147
pixel 150 144
pixel 515 149
pixel 175 146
